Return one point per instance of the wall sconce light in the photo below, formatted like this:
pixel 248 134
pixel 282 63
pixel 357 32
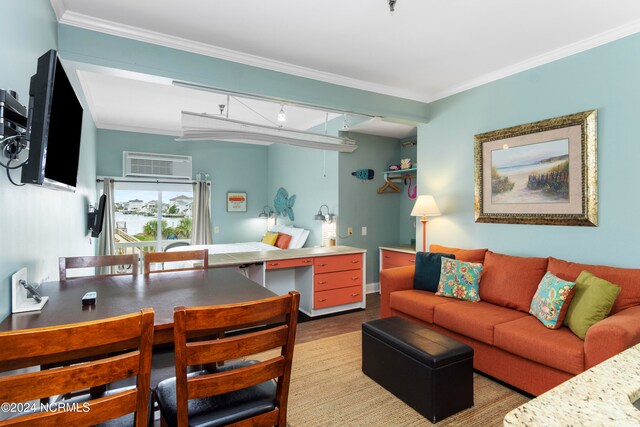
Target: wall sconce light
pixel 328 217
pixel 267 212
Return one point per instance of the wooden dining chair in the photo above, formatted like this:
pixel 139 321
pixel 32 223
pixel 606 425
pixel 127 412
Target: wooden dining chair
pixel 178 260
pixel 242 392
pixel 65 263
pixel 96 353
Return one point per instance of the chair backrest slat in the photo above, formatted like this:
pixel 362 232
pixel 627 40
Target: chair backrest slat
pixel 65 263
pixel 202 352
pixel 242 343
pixel 234 315
pixel 200 255
pixel 131 336
pixel 236 379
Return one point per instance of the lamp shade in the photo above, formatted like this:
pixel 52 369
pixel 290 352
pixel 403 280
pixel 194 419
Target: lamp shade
pixel 425 206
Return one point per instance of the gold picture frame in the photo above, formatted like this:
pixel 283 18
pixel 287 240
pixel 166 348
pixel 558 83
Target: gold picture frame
pixel 543 173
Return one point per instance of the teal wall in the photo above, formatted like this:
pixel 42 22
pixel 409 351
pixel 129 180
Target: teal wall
pixel 360 203
pixel 606 78
pixel 38 224
pixel 407 222
pixel 232 167
pixel 312 175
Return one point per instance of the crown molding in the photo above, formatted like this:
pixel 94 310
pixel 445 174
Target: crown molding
pixel 138 129
pixel 59 8
pixel 554 55
pixel 121 30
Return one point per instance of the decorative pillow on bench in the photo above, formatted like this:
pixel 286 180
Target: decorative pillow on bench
pixel 459 279
pixel 428 265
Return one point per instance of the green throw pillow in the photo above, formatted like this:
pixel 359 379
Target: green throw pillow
pixel 591 303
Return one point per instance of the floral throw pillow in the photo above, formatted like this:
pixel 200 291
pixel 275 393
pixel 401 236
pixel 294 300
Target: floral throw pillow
pixel 459 279
pixel 551 300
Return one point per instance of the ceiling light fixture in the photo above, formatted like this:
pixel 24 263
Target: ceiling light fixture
pixel 282 116
pixel 345 122
pixel 202 127
pixel 392 5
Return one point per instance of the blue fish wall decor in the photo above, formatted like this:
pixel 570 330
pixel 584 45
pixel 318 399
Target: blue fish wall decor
pixel 284 204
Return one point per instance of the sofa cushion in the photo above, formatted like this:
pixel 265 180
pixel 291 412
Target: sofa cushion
pixel 418 304
pixel 593 300
pixel 473 319
pixel 627 278
pixel 551 301
pixel 511 281
pixel 459 279
pixel 427 275
pixel 528 338
pixel 467 255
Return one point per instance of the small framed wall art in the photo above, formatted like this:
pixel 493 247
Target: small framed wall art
pixel 236 202
pixel 539 173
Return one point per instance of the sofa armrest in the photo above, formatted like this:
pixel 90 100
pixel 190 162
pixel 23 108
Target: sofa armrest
pixel 611 336
pixel 391 280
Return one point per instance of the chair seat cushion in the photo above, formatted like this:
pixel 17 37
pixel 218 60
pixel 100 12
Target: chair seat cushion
pixel 418 304
pixel 474 319
pixel 528 338
pixel 218 410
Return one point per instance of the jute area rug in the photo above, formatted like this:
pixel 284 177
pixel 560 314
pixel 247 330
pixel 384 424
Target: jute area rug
pixel 328 388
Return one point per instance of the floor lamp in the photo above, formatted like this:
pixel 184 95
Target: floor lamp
pixel 425 206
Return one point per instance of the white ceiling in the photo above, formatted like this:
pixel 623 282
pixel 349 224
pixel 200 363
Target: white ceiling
pixel 426 50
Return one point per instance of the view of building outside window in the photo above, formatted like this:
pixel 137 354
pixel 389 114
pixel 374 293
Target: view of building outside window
pixel 151 220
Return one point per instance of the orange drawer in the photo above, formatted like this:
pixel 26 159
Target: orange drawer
pixel 289 263
pixel 328 264
pixel 341 279
pixel 397 259
pixel 335 297
pixel 387 265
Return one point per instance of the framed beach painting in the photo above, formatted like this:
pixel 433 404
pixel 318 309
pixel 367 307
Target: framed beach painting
pixel 236 202
pixel 539 173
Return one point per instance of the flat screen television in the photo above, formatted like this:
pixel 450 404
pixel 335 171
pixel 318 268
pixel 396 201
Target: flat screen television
pixel 54 126
pixel 96 218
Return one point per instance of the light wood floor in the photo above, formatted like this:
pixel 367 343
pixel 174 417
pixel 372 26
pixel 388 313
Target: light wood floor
pixel 340 323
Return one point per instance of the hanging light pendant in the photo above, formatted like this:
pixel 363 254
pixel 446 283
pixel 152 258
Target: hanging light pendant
pixel 282 116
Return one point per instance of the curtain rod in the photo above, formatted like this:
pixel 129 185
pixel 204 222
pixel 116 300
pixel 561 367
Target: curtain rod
pixel 151 182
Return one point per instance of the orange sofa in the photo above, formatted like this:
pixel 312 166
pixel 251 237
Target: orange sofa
pixel 509 343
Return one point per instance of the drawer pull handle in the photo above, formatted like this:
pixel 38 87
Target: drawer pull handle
pixel 322 283
pixel 354 277
pixel 322 300
pixel 306 261
pixel 273 264
pixel 387 256
pixel 412 260
pixel 354 295
pixel 322 265
pixel 355 262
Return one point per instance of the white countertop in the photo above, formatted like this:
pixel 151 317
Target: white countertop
pixel 239 258
pixel 600 396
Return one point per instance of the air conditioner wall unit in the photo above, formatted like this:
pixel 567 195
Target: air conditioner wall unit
pixel 154 165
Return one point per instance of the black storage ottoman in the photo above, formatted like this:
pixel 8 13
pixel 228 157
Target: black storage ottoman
pixel 428 371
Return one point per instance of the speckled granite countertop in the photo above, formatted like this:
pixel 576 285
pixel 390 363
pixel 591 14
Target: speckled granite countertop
pixel 601 396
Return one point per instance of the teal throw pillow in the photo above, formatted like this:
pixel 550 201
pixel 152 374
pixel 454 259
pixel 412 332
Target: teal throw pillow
pixel 427 275
pixel 551 301
pixel 459 279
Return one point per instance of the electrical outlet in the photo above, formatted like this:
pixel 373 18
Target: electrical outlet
pixel 350 231
pixel 364 231
pixel 216 229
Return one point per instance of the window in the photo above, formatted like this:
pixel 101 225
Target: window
pixel 150 217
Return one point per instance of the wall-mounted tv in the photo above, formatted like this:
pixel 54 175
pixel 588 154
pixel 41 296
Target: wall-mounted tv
pixel 54 127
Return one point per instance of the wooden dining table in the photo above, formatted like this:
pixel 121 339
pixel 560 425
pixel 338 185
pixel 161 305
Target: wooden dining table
pixel 118 295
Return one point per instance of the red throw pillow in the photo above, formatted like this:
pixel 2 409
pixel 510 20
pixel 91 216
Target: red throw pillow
pixel 283 240
pixel 511 281
pixel 466 255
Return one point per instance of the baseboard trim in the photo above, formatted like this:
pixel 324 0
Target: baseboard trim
pixel 372 288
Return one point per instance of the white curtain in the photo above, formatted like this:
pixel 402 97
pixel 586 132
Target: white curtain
pixel 106 243
pixel 201 214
